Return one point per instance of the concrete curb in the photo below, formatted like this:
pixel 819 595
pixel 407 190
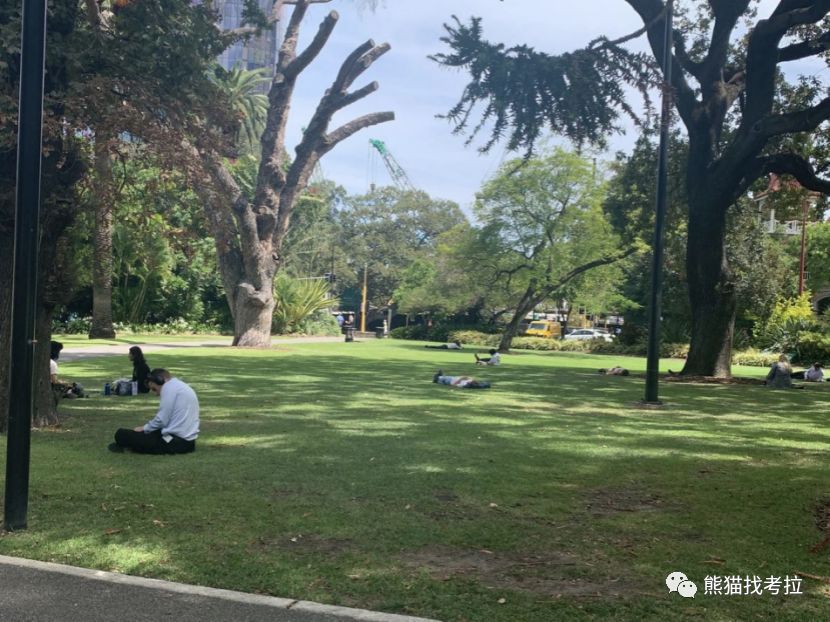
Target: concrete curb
pixel 344 613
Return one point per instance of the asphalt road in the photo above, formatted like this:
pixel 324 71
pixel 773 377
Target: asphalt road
pixel 43 592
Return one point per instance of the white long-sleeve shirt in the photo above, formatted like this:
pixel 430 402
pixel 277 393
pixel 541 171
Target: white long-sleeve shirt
pixel 178 413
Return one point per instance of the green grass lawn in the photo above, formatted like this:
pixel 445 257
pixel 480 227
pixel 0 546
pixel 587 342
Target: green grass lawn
pixel 339 473
pixel 82 341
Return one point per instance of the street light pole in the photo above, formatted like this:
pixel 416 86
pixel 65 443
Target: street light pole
pixel 24 279
pixel 803 255
pixel 363 306
pixel 655 306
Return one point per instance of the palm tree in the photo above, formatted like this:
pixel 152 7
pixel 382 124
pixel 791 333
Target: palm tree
pixel 243 89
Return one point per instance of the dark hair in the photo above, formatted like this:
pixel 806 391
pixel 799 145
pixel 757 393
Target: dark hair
pixel 55 348
pixel 138 355
pixel 493 350
pixel 159 376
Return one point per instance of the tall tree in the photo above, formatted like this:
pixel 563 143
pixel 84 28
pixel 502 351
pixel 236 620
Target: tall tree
pixel 732 117
pixel 386 231
pixel 542 230
pixel 250 233
pixel 140 69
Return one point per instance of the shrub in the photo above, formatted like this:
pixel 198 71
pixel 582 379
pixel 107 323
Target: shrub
pixel 475 337
pixel 813 347
pixel 413 331
pixel 72 326
pixel 178 326
pixel 576 345
pixel 754 358
pixel 789 319
pixel 295 300
pixel 536 343
pixel 321 322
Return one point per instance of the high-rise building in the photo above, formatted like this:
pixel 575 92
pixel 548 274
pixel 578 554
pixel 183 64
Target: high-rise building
pixel 256 52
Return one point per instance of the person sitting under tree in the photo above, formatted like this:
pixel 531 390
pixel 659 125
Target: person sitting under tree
pixel 461 382
pixel 779 374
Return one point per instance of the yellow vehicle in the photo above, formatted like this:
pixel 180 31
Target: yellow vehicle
pixel 549 329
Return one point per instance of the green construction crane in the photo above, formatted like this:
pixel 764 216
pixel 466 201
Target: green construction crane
pixel 399 176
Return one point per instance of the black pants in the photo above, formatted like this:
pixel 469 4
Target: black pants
pixel 152 443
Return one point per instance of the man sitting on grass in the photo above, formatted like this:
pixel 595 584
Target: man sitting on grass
pixel 462 382
pixel 493 359
pixel 174 428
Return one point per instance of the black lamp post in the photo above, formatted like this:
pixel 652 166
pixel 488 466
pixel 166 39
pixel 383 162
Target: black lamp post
pixel 656 300
pixel 24 283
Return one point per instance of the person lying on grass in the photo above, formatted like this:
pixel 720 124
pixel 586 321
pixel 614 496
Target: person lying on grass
pixel 462 382
pixel 493 359
pixel 455 345
pixel 615 371
pixel 174 428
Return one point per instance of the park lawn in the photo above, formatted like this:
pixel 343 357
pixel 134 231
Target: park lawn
pixel 82 341
pixel 340 473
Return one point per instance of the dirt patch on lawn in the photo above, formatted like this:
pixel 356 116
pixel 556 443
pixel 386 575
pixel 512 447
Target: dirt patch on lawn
pixel 303 544
pixel 612 501
pixel 821 515
pixel 553 574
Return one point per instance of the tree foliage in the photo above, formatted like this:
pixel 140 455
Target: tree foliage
pixel 725 82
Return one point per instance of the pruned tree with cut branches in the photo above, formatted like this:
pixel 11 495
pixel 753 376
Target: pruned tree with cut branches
pixel 725 82
pixel 249 232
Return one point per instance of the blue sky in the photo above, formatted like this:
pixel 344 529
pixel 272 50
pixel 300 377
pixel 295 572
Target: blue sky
pixel 417 89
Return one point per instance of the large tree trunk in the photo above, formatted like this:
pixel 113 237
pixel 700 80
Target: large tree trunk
pixel 252 317
pixel 526 305
pixel 711 290
pixel 102 246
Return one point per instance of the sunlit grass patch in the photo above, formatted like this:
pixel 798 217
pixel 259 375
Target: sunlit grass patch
pixel 340 473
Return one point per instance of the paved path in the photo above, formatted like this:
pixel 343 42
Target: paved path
pixel 43 592
pixel 85 352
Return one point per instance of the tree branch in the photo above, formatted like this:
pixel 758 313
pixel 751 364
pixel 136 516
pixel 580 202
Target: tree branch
pixel 685 96
pixel 342 82
pixel 344 131
pixel 727 13
pixel 310 53
pixel 804 49
pixel 798 121
pixel 602 261
pixel 762 58
pixel 787 164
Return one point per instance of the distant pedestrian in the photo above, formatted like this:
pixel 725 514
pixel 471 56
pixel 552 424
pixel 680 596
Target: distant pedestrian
pixel 340 320
pixel 348 328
